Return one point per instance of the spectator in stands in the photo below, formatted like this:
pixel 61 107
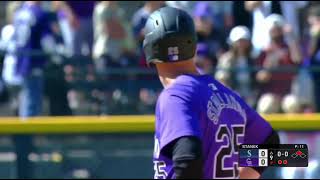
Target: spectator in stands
pixel 234 68
pixel 222 11
pixel 262 9
pixel 204 62
pixel 64 21
pixel 11 80
pixel 290 12
pixel 80 14
pixel 113 40
pixel 138 22
pixel 32 34
pixel 302 90
pixel 206 31
pixel 10 61
pixel 241 17
pixel 259 11
pixel 147 101
pixel 184 5
pixel 55 84
pixel 277 54
pixel 314 51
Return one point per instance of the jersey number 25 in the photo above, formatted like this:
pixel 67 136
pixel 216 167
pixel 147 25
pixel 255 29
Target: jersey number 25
pixel 227 151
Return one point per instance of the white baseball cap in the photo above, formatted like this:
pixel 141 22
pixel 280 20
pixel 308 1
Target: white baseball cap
pixel 274 20
pixel 239 32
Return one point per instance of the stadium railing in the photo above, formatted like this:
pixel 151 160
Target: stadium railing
pixel 130 124
pixel 113 144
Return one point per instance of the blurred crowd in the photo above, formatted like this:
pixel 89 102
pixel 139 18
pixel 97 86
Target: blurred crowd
pixel 267 51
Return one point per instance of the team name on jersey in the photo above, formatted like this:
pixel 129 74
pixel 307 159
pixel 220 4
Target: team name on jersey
pixel 219 101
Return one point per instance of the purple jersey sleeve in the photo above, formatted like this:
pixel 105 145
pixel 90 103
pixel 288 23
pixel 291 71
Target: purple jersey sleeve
pixel 257 128
pixel 177 116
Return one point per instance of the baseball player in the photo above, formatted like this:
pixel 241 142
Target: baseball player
pixel 199 122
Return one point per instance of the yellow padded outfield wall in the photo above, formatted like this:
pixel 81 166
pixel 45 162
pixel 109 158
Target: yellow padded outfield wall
pixel 130 124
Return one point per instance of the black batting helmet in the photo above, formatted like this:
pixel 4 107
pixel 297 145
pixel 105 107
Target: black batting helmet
pixel 169 36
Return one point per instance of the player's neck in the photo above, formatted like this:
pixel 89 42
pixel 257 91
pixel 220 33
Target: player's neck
pixel 168 72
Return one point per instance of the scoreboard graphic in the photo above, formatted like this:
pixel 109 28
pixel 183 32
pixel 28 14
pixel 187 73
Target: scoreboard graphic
pixel 280 155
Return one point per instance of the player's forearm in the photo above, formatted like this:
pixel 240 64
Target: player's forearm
pixel 188 169
pixel 187 158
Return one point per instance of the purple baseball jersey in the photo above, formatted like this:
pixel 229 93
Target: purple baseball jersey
pixel 198 105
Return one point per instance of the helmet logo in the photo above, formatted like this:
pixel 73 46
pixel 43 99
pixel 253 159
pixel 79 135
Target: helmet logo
pixel 173 53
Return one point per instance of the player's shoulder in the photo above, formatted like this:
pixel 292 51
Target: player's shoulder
pixel 184 85
pixel 183 88
pixel 226 91
pixel 217 86
pixel 187 86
